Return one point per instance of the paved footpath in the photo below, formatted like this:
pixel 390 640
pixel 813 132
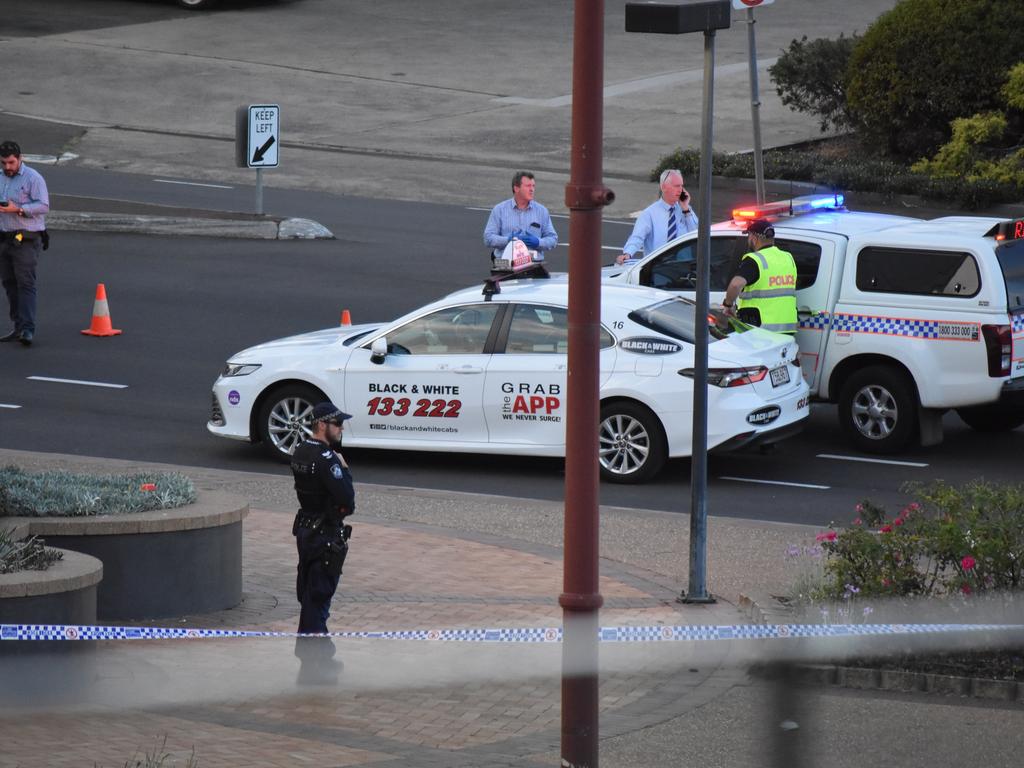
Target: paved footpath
pixel 419 560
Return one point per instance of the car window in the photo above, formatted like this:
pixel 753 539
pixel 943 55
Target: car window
pixel 675 318
pixel 807 257
pixel 461 330
pixel 1011 261
pixel 541 330
pixel 676 269
pixel 918 271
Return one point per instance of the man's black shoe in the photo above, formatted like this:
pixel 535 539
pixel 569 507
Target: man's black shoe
pixel 12 336
pixel 25 337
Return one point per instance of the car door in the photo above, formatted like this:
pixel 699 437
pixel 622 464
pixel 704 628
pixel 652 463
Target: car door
pixel 814 265
pixel 525 386
pixel 429 387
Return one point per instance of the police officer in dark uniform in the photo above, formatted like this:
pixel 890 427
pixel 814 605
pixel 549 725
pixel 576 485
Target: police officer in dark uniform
pixel 323 484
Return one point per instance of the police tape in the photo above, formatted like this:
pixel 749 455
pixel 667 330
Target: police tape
pixel 639 634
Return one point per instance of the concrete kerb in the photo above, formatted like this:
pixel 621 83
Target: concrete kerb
pixel 764 608
pixel 269 229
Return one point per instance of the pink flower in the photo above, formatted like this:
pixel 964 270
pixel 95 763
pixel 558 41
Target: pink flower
pixel 858 509
pixel 913 506
pixel 966 589
pixel 886 583
pixel 898 521
pixel 968 563
pixel 886 529
pixel 826 536
pixel 858 521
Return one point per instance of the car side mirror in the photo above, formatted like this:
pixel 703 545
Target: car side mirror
pixel 379 350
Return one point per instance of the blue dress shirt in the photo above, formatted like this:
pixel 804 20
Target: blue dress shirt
pixel 27 190
pixel 507 218
pixel 651 228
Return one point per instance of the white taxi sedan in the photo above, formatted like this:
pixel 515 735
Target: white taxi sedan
pixel 480 373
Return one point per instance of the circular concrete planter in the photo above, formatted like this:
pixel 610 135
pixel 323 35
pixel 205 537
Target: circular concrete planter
pixel 169 562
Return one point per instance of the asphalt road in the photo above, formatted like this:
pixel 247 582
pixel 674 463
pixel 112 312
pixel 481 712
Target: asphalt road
pixel 186 304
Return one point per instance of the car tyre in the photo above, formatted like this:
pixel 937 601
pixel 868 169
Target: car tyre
pixel 991 418
pixel 878 409
pixel 631 443
pixel 284 418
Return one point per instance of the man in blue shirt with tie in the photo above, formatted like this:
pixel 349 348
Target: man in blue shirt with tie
pixel 663 220
pixel 24 203
pixel 520 217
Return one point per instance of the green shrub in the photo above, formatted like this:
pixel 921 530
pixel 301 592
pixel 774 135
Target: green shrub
pixel 925 63
pixel 63 493
pixel 24 555
pixel 950 541
pixel 810 77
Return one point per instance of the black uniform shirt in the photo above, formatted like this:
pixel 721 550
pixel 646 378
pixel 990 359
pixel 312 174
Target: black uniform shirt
pixel 323 486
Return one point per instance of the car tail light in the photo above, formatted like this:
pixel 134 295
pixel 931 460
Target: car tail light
pixel 730 377
pixel 999 345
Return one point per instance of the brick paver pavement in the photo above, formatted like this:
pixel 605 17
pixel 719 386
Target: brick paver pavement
pixel 235 702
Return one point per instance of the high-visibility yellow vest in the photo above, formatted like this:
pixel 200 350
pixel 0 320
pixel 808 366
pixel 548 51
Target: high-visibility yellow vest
pixel 774 293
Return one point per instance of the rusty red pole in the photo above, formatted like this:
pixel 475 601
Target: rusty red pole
pixel 585 195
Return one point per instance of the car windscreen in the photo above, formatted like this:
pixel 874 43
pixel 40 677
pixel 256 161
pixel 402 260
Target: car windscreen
pixel 675 318
pixel 1011 261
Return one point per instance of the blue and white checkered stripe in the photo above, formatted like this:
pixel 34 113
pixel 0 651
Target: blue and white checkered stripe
pixel 886 326
pixel 644 634
pixel 1017 322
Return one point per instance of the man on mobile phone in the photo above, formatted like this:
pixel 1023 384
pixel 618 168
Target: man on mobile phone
pixel 520 217
pixel 24 203
pixel 662 221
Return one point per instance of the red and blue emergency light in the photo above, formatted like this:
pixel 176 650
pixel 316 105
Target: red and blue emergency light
pixel 792 207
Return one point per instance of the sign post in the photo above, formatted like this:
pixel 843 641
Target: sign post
pixel 257 139
pixel 755 96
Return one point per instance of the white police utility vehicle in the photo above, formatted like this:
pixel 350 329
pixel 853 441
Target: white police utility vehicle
pixel 485 372
pixel 900 319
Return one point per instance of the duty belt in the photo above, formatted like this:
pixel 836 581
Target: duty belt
pixel 19 235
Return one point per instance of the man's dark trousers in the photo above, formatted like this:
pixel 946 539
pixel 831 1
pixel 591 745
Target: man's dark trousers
pixel 18 262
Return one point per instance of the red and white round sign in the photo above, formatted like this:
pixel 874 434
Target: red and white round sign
pixel 741 4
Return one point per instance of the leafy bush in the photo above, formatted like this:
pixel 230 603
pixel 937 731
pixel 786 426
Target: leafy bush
pixel 856 171
pixel 66 494
pixel 951 540
pixel 28 554
pixel 810 77
pixel 927 62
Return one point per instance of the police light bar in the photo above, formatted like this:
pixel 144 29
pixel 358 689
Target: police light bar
pixel 1006 231
pixel 792 207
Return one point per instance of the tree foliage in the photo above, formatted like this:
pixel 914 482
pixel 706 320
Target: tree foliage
pixel 810 77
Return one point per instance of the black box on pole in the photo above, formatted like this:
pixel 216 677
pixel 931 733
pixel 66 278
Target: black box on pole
pixel 678 18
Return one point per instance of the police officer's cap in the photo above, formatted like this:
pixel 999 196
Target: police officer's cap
pixel 761 227
pixel 329 412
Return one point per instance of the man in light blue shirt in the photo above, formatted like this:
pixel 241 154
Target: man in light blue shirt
pixel 663 220
pixel 24 203
pixel 520 217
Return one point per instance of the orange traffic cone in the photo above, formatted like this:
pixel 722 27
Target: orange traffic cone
pixel 346 317
pixel 101 315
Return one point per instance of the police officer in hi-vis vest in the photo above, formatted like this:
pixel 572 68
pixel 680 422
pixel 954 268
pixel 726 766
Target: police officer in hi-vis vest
pixel 323 484
pixel 763 291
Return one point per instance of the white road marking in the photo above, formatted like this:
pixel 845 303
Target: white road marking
pixel 603 247
pixel 872 461
pixel 7 405
pixel 775 482
pixel 77 381
pixel 642 84
pixel 191 184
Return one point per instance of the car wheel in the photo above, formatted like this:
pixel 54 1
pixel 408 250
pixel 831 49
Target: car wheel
pixel 878 409
pixel 631 443
pixel 991 418
pixel 284 418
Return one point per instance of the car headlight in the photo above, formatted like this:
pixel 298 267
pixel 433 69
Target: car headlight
pixel 239 369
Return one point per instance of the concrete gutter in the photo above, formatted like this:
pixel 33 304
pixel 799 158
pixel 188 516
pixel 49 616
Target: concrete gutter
pixel 146 224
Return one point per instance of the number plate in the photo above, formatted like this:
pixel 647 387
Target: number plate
pixel 780 375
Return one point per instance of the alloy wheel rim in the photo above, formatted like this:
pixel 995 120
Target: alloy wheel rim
pixel 623 445
pixel 288 424
pixel 874 412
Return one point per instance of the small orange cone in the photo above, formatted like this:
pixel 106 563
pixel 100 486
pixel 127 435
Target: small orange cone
pixel 346 317
pixel 101 315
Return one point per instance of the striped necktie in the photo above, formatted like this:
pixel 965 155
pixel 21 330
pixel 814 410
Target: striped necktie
pixel 671 224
